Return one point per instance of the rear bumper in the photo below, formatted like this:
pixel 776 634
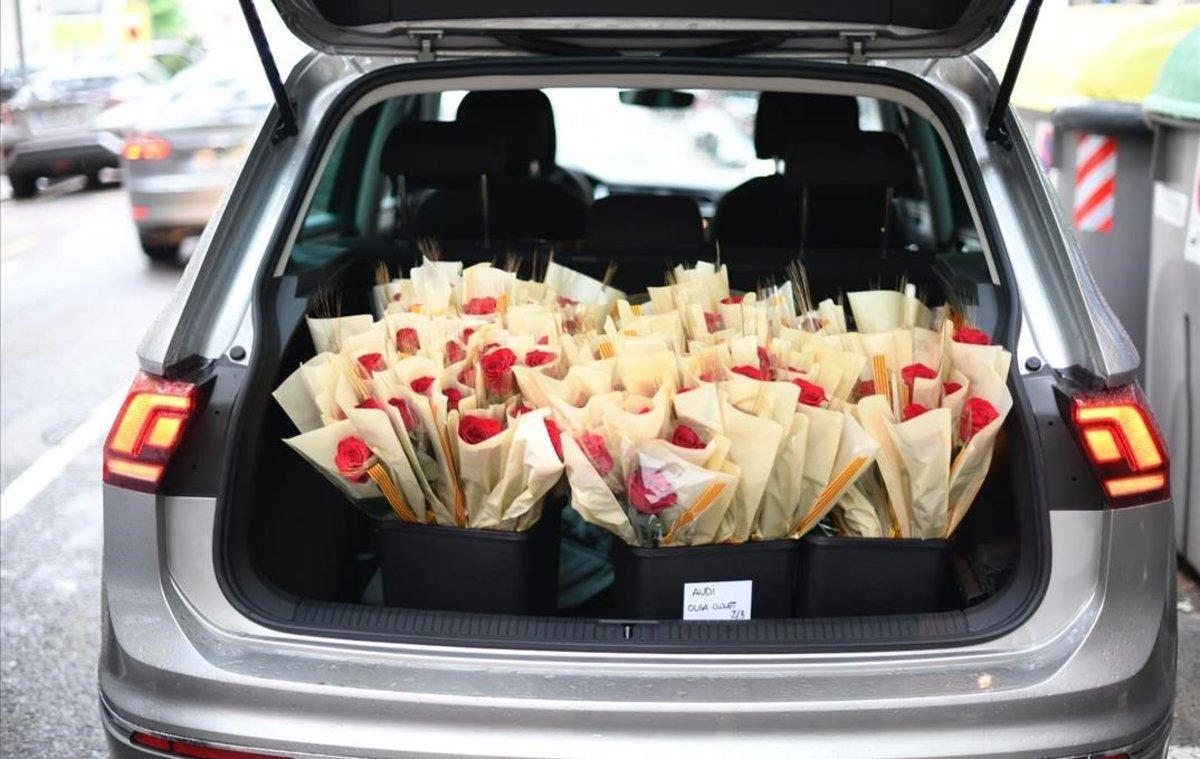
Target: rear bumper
pixel 63 156
pixel 172 202
pixel 1092 670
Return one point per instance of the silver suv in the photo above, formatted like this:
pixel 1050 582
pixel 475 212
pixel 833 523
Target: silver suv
pixel 241 612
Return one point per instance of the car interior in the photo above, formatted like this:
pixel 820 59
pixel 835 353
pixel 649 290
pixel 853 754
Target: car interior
pixel 861 191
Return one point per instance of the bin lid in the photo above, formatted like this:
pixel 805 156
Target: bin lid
pixel 1177 92
pixel 1095 52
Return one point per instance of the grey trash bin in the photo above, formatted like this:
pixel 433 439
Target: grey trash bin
pixel 1173 345
pixel 1102 152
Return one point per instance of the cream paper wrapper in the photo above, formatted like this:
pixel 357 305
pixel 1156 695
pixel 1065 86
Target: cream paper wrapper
pixel 926 392
pixel 877 419
pixel 859 514
pixel 924 445
pixel 296 400
pixel 771 400
pixel 579 287
pixel 700 409
pixel 648 373
pixel 970 466
pixel 754 443
pixel 591 498
pixel 434 283
pixel 431 339
pixel 885 310
pixel 376 430
pixel 954 401
pixel 703 496
pixel 480 465
pixel 855 452
pixel 321 374
pixel 778 510
pixel 535 320
pixel 580 383
pixel 435 492
pixel 319 448
pixel 622 420
pixel 329 334
pixel 531 470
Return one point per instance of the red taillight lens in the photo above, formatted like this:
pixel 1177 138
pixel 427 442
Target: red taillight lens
pixel 145 147
pixel 1123 443
pixel 187 748
pixel 147 431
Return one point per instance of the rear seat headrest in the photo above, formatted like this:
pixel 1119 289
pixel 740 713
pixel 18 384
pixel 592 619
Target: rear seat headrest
pixel 785 116
pixel 435 153
pixel 863 159
pixel 639 223
pixel 524 118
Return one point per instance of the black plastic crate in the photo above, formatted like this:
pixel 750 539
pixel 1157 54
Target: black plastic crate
pixel 459 569
pixel 648 583
pixel 869 576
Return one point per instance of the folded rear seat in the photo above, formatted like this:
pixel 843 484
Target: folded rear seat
pixel 644 235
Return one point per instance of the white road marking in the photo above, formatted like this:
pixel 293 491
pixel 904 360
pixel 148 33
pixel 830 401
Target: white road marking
pixel 1184 752
pixel 30 483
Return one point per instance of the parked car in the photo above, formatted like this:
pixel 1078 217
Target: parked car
pixel 182 154
pixel 239 613
pixel 51 127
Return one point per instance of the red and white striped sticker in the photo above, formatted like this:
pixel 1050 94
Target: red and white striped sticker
pixel 1095 183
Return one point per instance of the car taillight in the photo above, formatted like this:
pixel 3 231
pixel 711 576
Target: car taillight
pixel 187 748
pixel 147 432
pixel 1123 443
pixel 145 147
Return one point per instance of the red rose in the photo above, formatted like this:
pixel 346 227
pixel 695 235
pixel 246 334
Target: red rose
pixel 645 410
pixel 753 372
pixel 371 362
pixel 520 410
pixel 686 437
pixel 912 411
pixel 555 437
pixel 407 340
pixel 913 372
pixel 476 429
pixel 865 388
pixel 466 334
pixel 712 322
pixel 543 340
pixel 537 358
pixel 352 458
pixel 370 403
pixel 421 385
pixel 733 300
pixel 454 352
pixel 406 414
pixel 480 306
pixel 811 394
pixel 497 368
pixel 562 301
pixel 453 396
pixel 683 390
pixel 707 376
pixel 949 388
pixel 596 450
pixel 650 491
pixel 971 336
pixel 977 413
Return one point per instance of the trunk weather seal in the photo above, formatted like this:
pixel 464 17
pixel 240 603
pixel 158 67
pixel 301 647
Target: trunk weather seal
pixel 1029 580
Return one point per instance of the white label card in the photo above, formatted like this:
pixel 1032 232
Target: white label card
pixel 717 600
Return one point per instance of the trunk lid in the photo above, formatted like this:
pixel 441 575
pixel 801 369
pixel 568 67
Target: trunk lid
pixel 861 28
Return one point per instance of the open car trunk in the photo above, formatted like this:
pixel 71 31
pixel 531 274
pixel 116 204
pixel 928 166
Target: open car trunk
pixel 296 555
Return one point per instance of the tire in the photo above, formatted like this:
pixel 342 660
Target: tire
pixel 23 186
pixel 156 250
pixel 92 181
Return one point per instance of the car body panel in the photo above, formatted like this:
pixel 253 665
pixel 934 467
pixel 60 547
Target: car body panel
pixel 372 27
pixel 1091 670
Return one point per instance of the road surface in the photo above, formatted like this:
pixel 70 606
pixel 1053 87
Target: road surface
pixel 76 295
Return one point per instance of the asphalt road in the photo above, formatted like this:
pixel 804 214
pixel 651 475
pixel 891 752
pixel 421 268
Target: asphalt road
pixel 76 295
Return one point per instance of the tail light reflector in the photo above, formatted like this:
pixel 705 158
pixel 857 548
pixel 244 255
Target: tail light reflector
pixel 147 431
pixel 1123 443
pixel 147 147
pixel 187 748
